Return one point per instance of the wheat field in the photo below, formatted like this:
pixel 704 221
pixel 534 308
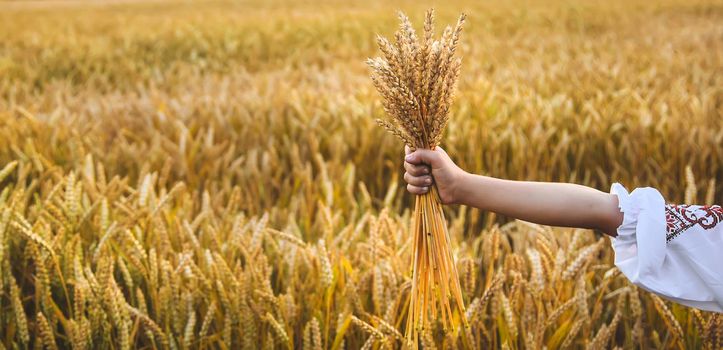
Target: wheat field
pixel 181 175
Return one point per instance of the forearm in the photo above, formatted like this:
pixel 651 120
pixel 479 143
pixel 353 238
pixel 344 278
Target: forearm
pixel 555 204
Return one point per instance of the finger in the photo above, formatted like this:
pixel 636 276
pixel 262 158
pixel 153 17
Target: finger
pixel 407 150
pixel 416 170
pixel 417 190
pixel 420 181
pixel 423 156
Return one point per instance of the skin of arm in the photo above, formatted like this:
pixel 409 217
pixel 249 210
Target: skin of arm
pixel 546 203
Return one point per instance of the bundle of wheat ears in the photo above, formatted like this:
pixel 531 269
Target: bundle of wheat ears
pixel 417 79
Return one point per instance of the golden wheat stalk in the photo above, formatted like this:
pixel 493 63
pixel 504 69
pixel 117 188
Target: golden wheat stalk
pixel 417 80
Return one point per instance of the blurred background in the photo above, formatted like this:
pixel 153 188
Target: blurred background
pixel 590 92
pixel 261 115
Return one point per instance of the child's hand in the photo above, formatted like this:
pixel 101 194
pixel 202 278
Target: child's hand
pixel 445 173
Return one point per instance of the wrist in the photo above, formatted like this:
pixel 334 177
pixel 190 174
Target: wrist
pixel 461 189
pixel 475 190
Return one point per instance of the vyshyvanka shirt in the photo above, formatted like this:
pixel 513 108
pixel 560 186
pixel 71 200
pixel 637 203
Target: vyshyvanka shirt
pixel 675 251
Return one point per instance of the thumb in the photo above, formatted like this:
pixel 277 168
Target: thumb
pixel 423 156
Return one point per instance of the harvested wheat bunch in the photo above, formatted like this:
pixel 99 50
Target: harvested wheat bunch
pixel 417 79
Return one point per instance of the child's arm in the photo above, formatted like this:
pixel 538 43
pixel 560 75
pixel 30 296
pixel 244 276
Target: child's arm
pixel 556 204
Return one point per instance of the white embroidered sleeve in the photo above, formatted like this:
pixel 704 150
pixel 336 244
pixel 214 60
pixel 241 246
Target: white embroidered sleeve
pixel 675 251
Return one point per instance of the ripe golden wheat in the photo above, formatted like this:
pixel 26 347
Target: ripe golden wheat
pixel 417 80
pixel 217 181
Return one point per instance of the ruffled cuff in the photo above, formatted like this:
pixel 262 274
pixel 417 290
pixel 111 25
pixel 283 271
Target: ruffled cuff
pixel 640 244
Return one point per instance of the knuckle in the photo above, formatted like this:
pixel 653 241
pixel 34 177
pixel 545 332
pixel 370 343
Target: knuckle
pixel 413 180
pixel 418 181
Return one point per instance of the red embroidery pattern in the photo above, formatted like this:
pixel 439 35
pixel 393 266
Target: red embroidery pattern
pixel 682 217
